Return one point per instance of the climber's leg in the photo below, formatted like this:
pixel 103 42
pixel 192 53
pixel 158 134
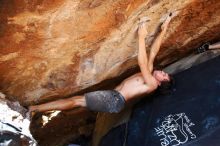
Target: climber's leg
pixel 207 46
pixel 62 104
pixel 101 101
pixel 215 46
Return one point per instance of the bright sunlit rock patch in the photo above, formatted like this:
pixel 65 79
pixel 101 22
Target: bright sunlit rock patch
pixel 46 119
pixel 13 122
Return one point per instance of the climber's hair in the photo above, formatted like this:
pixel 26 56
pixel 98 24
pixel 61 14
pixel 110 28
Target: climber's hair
pixel 166 86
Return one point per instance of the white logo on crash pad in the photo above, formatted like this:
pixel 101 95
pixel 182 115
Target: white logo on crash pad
pixel 175 130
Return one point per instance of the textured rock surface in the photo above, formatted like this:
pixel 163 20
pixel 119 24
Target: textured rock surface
pixel 54 49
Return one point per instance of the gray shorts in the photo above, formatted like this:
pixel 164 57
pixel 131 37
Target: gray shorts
pixel 110 101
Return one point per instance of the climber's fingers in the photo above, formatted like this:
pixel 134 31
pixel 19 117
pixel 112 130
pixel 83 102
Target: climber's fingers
pixel 143 20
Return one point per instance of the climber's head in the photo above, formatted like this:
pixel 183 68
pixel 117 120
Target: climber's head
pixel 165 81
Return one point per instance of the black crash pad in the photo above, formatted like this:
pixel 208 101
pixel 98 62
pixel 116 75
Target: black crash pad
pixel 189 116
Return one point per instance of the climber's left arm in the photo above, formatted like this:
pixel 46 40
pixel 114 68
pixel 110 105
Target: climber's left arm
pixel 143 58
pixel 157 43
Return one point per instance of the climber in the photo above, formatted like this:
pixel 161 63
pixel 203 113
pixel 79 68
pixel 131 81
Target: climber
pixel 130 89
pixel 207 46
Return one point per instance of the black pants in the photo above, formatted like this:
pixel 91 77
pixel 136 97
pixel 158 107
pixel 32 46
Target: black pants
pixel 105 101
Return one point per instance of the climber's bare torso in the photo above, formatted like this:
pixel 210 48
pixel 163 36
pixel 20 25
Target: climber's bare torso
pixel 134 86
